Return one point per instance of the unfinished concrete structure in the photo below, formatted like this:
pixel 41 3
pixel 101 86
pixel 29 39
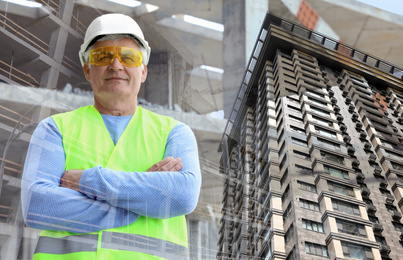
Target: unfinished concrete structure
pixel 40 75
pixel 312 152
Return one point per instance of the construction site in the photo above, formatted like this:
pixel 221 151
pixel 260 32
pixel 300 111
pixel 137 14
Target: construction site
pixel 296 106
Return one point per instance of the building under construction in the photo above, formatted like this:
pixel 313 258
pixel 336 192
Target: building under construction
pixel 313 152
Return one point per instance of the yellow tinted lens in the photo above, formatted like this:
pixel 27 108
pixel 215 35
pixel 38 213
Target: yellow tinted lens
pixel 100 57
pixel 128 57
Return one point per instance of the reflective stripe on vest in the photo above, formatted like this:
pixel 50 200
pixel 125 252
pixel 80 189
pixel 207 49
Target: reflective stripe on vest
pixel 87 143
pixel 149 245
pixel 110 240
pixel 67 245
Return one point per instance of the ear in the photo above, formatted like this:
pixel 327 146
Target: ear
pixel 86 69
pixel 144 73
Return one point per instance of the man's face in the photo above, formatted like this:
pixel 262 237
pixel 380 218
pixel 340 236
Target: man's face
pixel 115 82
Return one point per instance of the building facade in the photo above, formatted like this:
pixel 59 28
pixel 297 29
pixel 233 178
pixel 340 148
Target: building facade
pixel 312 152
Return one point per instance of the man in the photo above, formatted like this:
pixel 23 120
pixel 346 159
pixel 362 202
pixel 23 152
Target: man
pixel 112 180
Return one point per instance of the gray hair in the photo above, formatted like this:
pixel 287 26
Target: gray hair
pixel 116 37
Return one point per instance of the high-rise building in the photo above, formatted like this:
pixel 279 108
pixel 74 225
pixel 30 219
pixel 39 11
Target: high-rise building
pixel 313 152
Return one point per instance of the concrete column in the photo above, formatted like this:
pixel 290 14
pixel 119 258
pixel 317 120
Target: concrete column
pixel 242 21
pixel 57 45
pixel 157 88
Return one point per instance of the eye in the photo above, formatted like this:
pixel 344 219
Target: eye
pixel 105 56
pixel 127 58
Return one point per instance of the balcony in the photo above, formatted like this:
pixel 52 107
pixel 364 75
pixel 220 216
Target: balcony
pixel 371 208
pixel 359 176
pixel 377 227
pixel 390 199
pixel 372 157
pixel 396 215
pixel 358 125
pixel 384 249
pixel 367 145
pixel 355 162
pixel 377 170
pixel 383 183
pixel 365 191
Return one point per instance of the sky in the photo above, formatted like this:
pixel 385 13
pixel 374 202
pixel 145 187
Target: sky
pixel 393 6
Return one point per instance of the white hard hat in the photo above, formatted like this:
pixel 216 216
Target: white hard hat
pixel 113 24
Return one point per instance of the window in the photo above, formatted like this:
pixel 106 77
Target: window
pixel 393 155
pixel 315 94
pixel 280 125
pixel 341 189
pixel 373 219
pixel 307 64
pixel 307 186
pixel 291 90
pixel 303 169
pixel 391 209
pixel 292 99
pixel 320 111
pixel 384 191
pixel 312 225
pixel 280 137
pixel 315 249
pixel 329 145
pixel 378 124
pixel 364 96
pixel 287 212
pixel 397 166
pixel 280 152
pixel 369 105
pixel 336 172
pixel 296 118
pixel 322 121
pixel 317 102
pixel 383 132
pixel 302 155
pixel 283 161
pixel 398 226
pixel 381 240
pixel 294 108
pixel 297 129
pixel 284 178
pixel 367 201
pixel 289 234
pixel 325 132
pixel 345 207
pixel 351 228
pixel 298 141
pixel 306 204
pixel 332 157
pixel 286 192
pixel 356 251
pixel 293 255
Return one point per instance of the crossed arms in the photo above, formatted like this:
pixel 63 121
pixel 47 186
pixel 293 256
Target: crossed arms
pixel 94 199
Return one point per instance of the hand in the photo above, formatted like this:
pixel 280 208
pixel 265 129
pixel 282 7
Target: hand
pixel 169 164
pixel 71 179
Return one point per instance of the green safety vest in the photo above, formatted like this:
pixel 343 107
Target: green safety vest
pixel 87 143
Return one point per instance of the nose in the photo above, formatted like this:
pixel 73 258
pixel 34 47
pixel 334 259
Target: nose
pixel 115 64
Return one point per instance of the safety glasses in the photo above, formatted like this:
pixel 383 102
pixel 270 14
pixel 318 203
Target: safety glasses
pixel 104 56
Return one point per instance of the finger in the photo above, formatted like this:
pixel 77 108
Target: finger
pixel 171 165
pixel 176 168
pixel 160 164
